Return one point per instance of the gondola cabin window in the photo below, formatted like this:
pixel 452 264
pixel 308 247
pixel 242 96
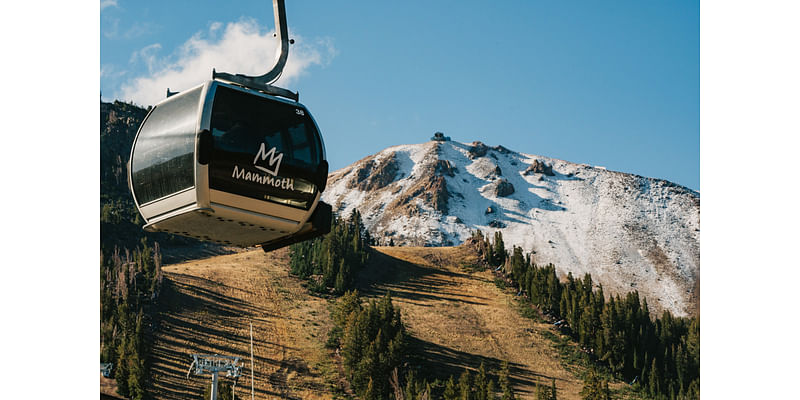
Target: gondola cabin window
pixel 163 160
pixel 264 148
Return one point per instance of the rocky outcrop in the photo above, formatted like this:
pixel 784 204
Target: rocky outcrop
pixel 361 174
pixel 502 150
pixel 497 224
pixel 539 168
pixel 438 194
pixel 370 176
pixel 445 167
pixel 432 191
pixel 503 188
pixel 478 149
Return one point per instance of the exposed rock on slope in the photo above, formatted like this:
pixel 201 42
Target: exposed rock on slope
pixel 478 149
pixel 502 188
pixel 539 167
pixel 628 231
pixel 372 176
pixel 444 167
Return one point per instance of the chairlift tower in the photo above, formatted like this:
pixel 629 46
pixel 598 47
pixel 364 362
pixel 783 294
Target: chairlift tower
pixel 105 369
pixel 214 364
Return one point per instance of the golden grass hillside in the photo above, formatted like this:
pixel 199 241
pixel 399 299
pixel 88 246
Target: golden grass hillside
pixel 457 318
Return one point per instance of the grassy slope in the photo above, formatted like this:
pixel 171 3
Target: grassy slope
pixel 457 319
pixel 207 307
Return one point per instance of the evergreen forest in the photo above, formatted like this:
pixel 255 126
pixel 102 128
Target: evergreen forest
pixel 130 282
pixel 331 262
pixel 658 356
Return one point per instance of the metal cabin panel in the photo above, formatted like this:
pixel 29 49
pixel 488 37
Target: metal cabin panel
pixel 259 206
pixel 220 226
pixel 166 206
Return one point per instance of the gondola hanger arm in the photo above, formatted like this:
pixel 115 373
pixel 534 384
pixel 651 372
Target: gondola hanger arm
pixel 263 82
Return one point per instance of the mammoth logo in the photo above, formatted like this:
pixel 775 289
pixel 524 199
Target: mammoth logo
pixel 273 163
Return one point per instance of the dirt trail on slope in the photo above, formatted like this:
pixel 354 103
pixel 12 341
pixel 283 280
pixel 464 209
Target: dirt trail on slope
pixel 459 319
pixel 206 307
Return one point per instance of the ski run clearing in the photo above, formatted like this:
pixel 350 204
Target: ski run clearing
pixel 455 318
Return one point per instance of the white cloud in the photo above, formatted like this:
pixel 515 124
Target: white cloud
pixel 139 29
pixel 110 27
pixel 107 3
pixel 110 71
pixel 149 56
pixel 242 48
pixel 214 27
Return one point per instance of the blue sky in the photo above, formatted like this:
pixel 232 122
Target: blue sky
pixel 615 84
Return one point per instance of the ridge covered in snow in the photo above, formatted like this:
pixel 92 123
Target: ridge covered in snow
pixel 629 232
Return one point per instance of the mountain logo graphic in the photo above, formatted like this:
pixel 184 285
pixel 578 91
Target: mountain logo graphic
pixel 273 160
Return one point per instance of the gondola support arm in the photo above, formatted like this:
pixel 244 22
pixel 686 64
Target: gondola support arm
pixel 264 82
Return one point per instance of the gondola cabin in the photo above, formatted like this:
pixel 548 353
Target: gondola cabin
pixel 232 165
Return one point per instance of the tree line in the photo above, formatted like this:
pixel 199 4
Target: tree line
pixel 130 282
pixel 659 356
pixel 482 386
pixel 331 262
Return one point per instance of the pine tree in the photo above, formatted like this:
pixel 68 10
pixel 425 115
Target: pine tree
pixel 409 392
pixel 121 368
pixel 136 372
pixel 370 393
pixel 480 384
pixel 595 388
pixel 654 379
pixel 505 383
pixel 450 390
pixel 490 390
pixel 465 386
pixel 135 377
pixel 499 249
pixel 341 277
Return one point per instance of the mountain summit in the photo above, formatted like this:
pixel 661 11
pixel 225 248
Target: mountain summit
pixel 629 232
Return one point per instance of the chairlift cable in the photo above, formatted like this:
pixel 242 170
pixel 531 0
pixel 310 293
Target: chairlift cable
pixel 252 372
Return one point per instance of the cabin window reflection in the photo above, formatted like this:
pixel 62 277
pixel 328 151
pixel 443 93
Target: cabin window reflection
pixel 300 144
pixel 242 124
pixel 163 156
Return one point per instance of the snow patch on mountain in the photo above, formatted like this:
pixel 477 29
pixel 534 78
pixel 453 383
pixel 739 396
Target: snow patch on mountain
pixel 628 231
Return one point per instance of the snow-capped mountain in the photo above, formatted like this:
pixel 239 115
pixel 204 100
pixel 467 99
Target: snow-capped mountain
pixel 628 231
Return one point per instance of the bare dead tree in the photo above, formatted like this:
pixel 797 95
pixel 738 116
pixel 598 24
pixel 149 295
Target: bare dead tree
pixel 394 380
